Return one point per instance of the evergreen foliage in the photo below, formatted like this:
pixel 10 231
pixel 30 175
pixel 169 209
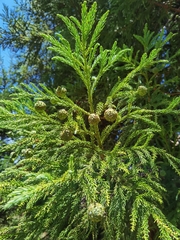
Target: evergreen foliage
pixel 126 18
pixel 78 177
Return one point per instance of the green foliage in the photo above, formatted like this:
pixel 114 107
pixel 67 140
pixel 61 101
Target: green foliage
pixel 150 41
pixel 116 165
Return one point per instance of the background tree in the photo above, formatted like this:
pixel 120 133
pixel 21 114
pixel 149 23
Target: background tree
pixel 29 18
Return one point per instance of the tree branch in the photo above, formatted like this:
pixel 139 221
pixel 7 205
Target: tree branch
pixel 167 7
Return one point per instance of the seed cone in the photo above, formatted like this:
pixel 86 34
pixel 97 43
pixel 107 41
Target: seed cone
pixel 142 90
pixel 27 152
pixel 96 212
pixel 40 106
pixel 62 114
pixel 94 119
pixel 110 114
pixel 66 135
pixel 61 91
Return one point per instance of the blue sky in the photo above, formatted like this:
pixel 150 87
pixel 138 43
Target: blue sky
pixel 5 55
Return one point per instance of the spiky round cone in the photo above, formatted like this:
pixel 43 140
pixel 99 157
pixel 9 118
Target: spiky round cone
pixel 94 119
pixel 62 114
pixel 66 135
pixel 96 212
pixel 110 114
pixel 27 152
pixel 61 91
pixel 142 90
pixel 40 106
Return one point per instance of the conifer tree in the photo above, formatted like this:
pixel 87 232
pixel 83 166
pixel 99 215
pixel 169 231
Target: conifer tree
pixel 126 18
pixel 89 168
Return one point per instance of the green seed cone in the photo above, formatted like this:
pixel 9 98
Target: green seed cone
pixel 62 114
pixel 142 90
pixel 66 135
pixel 94 119
pixel 110 115
pixel 96 212
pixel 40 106
pixel 61 91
